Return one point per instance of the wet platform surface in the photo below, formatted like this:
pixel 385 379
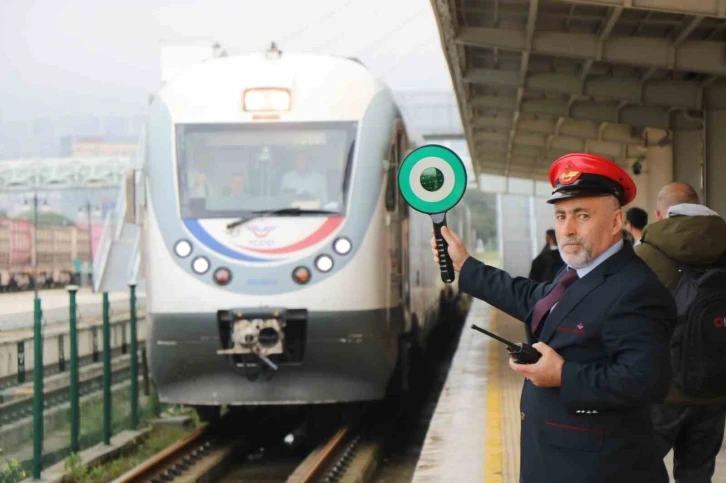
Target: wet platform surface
pixel 16 308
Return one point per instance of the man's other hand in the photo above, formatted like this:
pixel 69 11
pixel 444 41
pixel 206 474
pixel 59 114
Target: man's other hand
pixel 457 250
pixel 546 372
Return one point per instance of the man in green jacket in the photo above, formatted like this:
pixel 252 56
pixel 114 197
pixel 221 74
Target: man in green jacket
pixel 689 233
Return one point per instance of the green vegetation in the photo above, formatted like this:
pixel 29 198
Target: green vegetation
pixel 91 410
pixel 160 438
pixel 483 215
pixel 11 471
pixel 46 218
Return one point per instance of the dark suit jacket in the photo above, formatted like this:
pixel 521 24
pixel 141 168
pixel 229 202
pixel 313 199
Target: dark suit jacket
pixel 546 265
pixel 612 327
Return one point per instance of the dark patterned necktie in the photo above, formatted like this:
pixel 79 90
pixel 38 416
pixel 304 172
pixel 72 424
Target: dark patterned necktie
pixel 544 305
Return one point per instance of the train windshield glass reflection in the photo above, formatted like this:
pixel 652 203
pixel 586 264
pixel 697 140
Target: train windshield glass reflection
pixel 228 169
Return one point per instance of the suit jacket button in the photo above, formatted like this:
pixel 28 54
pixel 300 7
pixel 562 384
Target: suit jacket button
pixel 523 416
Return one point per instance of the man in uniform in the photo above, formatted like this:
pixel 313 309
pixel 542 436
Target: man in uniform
pixel 603 328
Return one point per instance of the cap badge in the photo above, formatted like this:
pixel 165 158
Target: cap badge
pixel 568 175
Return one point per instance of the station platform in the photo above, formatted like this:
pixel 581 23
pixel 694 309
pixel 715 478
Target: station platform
pixel 16 332
pixel 16 308
pixel 474 432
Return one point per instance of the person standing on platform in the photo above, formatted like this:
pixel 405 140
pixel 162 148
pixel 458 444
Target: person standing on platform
pixel 688 234
pixel 546 265
pixel 635 221
pixel 77 267
pixel 603 328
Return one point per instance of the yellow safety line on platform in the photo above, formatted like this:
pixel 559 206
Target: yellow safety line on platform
pixel 493 430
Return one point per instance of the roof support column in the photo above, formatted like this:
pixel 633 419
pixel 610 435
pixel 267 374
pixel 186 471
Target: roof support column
pixel 714 172
pixel 688 157
pixel 659 166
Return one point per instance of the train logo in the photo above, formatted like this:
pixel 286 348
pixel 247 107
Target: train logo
pixel 261 229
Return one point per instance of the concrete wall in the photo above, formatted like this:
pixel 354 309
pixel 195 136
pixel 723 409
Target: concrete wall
pixel 657 172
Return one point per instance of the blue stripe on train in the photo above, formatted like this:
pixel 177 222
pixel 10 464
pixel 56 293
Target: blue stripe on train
pixel 206 239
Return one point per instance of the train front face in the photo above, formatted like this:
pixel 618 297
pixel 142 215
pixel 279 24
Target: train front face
pixel 292 305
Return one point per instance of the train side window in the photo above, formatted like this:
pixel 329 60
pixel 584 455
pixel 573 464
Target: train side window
pixel 402 148
pixel 394 160
pixel 391 184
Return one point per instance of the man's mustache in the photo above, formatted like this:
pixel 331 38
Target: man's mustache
pixel 571 241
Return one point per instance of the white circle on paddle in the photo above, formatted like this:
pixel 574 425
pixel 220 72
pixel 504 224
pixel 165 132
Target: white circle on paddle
pixel 414 179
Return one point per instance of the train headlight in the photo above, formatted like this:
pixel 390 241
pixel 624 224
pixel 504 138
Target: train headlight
pixel 324 263
pixel 301 275
pixel 342 246
pixel 200 265
pixel 267 100
pixel 182 248
pixel 222 276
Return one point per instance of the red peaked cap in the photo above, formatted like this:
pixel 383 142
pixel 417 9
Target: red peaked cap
pixel 578 175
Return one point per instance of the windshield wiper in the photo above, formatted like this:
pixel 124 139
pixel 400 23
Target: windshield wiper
pixel 280 211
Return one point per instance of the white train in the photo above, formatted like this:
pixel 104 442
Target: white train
pixel 282 265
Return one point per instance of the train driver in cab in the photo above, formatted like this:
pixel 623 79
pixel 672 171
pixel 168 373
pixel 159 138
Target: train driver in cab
pixel 304 181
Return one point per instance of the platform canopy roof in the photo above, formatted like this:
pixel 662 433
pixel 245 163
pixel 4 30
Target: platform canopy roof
pixel 536 79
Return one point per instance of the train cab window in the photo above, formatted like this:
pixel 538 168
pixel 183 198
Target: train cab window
pixel 348 167
pixel 227 170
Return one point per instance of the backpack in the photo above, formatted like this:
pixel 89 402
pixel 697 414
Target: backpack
pixel 698 344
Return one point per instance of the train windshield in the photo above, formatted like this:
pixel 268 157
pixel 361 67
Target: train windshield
pixel 226 170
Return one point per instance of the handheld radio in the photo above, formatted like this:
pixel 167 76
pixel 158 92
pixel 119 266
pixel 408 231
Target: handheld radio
pixel 521 353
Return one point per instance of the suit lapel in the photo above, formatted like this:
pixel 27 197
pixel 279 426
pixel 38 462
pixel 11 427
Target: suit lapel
pixel 579 290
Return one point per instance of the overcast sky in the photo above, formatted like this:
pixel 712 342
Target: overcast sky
pixel 102 58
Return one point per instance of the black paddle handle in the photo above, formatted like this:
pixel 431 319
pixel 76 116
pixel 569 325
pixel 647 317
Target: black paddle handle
pixel 447 268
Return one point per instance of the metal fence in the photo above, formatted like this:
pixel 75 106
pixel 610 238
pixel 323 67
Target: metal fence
pixel 85 386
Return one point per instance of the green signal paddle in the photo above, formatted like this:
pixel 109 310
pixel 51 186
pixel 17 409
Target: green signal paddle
pixel 432 180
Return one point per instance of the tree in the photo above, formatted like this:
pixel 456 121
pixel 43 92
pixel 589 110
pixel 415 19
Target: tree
pixel 47 218
pixel 483 214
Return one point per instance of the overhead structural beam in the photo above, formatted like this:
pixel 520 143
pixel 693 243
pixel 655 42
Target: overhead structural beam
pixel 538 173
pixel 551 147
pixel 701 56
pixel 664 93
pixel 517 161
pixel 444 136
pixel 614 133
pixel 602 37
pixel 500 159
pixel 63 173
pixel 524 67
pixel 520 166
pixel 708 8
pixel 635 116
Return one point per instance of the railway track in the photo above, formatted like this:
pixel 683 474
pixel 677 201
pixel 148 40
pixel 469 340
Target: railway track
pixel 346 452
pixel 22 407
pixel 11 381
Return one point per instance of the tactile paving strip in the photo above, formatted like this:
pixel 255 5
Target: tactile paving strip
pixel 511 387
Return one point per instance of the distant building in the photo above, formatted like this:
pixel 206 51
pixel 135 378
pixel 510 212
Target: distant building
pixel 98 146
